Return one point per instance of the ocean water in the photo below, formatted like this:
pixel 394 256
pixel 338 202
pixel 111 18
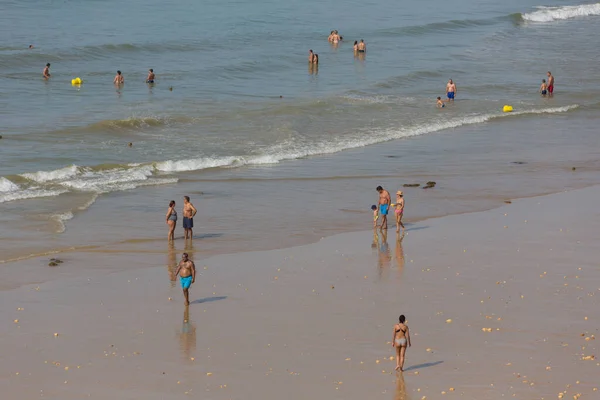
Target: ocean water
pixel 236 108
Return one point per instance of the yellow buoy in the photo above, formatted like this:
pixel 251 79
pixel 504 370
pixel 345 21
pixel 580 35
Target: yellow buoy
pixel 507 108
pixel 76 81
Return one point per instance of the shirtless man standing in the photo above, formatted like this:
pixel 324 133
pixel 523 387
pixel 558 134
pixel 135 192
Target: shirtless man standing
pixel 550 83
pixel 451 90
pixel 187 275
pixel 151 76
pixel 119 79
pixel 189 211
pixel 362 47
pixel 384 205
pixel 46 72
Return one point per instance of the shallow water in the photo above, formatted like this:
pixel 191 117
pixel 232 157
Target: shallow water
pixel 224 132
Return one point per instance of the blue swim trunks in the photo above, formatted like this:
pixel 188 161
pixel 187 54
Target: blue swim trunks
pixel 383 209
pixel 451 95
pixel 186 282
pixel 188 223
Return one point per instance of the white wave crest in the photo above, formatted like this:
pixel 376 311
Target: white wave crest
pixel 549 14
pixel 29 194
pixel 50 176
pixel 60 220
pixel 7 186
pixel 194 164
pixel 108 180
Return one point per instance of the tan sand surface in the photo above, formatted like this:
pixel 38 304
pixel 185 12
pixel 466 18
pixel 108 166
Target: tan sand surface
pixel 316 321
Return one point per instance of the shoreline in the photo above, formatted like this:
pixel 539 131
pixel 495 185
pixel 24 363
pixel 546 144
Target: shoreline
pixel 316 319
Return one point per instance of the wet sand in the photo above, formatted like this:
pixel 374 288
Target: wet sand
pixel 317 320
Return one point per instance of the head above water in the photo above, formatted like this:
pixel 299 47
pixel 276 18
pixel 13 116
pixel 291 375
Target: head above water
pixel 118 72
pixel 543 81
pixel 172 203
pixel 186 199
pixel 439 98
pixel 151 70
pixel 402 319
pixel 450 81
pixel 184 256
pixel 379 189
pixel 356 42
pixel 47 65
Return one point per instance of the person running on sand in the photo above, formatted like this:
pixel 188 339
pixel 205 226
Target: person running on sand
pixel 150 78
pixel 550 83
pixel 119 79
pixel 384 204
pixel 451 90
pixel 46 72
pixel 401 341
pixel 189 211
pixel 399 206
pixel 171 220
pixel 187 275
pixel 543 87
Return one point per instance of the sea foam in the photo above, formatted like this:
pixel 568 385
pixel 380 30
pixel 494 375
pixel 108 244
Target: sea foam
pixel 549 14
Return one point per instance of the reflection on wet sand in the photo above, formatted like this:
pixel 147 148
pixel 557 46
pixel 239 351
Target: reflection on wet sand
pixel 384 258
pixel 187 336
pixel 401 392
pixel 172 263
pixel 399 253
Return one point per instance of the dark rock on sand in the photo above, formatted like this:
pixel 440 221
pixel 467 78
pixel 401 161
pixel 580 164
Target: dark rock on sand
pixel 411 185
pixel 429 185
pixel 572 169
pixel 54 262
pixel 519 162
pixel 508 201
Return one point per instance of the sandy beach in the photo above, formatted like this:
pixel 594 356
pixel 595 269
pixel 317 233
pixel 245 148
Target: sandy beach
pixel 501 304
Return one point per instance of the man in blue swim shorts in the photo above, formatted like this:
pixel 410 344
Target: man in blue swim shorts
pixel 384 205
pixel 187 275
pixel 451 90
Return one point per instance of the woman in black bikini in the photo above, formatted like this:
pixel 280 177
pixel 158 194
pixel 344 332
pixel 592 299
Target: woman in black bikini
pixel 400 341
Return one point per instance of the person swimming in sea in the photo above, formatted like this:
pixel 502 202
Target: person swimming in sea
pixel 119 79
pixel 440 102
pixel 46 72
pixel 151 76
pixel 361 47
pixel 543 88
pixel 401 341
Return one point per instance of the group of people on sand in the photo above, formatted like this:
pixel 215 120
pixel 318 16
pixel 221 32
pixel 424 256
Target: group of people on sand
pixel 118 80
pixel 382 209
pixel 189 212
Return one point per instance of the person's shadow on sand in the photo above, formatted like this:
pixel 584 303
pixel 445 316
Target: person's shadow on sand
pixel 208 299
pixel 426 365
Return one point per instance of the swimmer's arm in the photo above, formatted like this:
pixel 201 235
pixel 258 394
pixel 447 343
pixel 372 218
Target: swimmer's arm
pixel 408 337
pixel 193 272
